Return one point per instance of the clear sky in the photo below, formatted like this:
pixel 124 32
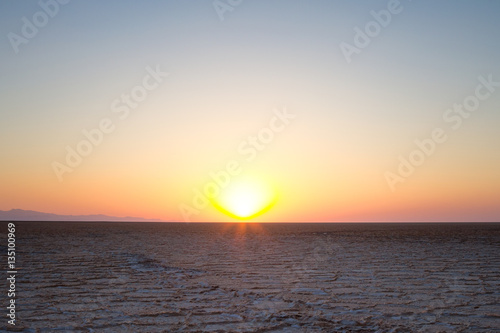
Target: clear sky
pixel 333 93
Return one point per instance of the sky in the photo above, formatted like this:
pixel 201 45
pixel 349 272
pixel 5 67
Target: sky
pixel 326 110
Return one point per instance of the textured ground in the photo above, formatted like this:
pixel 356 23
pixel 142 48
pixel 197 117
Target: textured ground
pixel 153 277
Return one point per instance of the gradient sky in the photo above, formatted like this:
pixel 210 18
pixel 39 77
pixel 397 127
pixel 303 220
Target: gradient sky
pixel 352 120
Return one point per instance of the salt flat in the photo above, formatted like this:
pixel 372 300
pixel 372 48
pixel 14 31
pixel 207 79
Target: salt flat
pixel 191 277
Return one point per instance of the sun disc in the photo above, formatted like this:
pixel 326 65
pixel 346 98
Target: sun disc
pixel 245 199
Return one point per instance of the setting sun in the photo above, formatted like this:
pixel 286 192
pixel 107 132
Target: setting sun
pixel 246 199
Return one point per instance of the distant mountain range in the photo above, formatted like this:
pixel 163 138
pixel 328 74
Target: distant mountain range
pixel 31 215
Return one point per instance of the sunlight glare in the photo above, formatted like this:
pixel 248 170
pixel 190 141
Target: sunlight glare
pixel 246 199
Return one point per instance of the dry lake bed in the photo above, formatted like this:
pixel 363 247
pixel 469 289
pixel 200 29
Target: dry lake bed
pixel 193 277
